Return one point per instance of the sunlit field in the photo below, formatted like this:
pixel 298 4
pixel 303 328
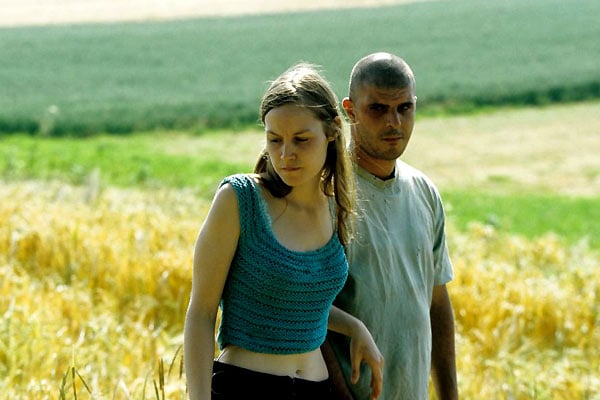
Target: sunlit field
pixel 105 180
pixel 93 290
pixel 95 276
pixel 94 287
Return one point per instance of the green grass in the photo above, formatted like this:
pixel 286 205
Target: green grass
pixel 529 215
pixel 117 78
pixel 132 160
pixel 178 160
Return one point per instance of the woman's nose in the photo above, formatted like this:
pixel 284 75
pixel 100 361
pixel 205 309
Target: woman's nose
pixel 287 151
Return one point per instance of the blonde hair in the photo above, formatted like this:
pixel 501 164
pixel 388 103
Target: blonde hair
pixel 304 86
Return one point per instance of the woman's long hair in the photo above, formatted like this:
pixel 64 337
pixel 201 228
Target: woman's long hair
pixel 304 86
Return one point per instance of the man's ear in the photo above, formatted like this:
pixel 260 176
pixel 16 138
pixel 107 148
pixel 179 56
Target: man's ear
pixel 348 108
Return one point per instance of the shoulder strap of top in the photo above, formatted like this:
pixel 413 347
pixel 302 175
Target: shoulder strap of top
pixel 248 201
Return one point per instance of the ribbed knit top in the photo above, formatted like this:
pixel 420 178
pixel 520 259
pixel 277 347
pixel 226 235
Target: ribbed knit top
pixel 276 300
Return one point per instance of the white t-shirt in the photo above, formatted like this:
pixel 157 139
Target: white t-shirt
pixel 398 256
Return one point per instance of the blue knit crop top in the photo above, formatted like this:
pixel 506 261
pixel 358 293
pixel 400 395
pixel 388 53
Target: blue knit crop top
pixel 276 300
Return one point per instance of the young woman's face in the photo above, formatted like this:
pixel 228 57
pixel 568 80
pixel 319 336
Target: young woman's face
pixel 296 144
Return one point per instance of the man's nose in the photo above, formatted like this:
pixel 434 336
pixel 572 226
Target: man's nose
pixel 394 119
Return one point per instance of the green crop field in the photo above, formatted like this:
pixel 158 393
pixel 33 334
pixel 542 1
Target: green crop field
pixel 200 73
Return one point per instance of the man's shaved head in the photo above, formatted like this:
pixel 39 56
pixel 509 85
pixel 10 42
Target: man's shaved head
pixel 381 70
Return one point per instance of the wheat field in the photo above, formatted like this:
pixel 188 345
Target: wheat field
pixel 95 282
pixel 92 283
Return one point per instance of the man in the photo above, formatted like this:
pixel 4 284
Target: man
pixel 399 263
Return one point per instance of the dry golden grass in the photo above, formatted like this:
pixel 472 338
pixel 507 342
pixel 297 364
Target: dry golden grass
pixel 550 149
pixel 94 286
pixel 527 312
pixel 97 284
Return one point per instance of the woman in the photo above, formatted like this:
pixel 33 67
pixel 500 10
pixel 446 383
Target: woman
pixel 271 254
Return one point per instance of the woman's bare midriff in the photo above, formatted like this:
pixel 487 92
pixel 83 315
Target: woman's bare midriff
pixel 309 366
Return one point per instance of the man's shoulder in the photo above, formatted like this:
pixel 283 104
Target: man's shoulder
pixel 409 172
pixel 416 179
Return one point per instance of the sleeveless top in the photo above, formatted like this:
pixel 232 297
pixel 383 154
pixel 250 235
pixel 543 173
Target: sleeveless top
pixel 276 300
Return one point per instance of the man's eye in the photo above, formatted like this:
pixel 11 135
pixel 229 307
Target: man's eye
pixel 404 107
pixel 377 107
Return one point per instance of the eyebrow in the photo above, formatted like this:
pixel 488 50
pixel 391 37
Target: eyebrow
pixel 377 103
pixel 270 132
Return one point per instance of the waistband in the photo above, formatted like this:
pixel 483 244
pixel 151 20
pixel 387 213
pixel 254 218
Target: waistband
pixel 247 378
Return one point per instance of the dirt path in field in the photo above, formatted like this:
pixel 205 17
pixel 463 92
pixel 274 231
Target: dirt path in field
pixel 45 12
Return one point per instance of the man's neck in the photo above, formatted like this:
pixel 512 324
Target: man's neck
pixel 383 169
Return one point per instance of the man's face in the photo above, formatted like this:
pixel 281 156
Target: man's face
pixel 382 120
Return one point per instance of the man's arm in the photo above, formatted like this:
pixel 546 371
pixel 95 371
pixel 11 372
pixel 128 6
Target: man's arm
pixel 443 357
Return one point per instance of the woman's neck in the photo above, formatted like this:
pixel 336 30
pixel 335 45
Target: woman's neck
pixel 306 197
